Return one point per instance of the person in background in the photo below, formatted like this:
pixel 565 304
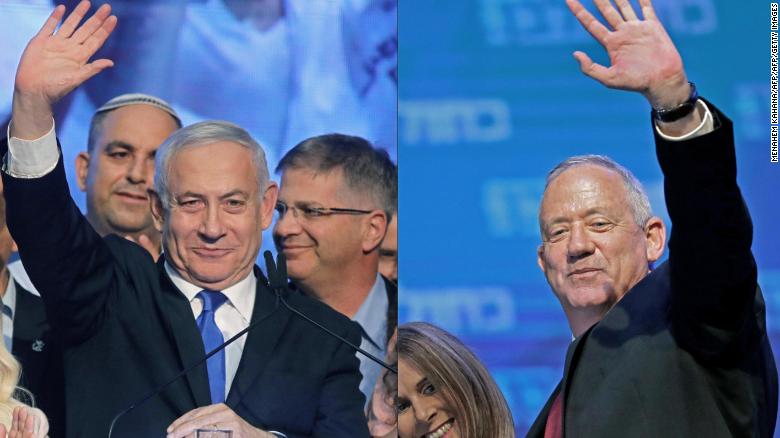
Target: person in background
pixel 388 251
pixel 444 389
pixel 17 420
pixel 336 198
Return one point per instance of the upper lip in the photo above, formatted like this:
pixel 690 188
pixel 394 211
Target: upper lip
pixel 139 195
pixel 294 246
pixel 208 248
pixel 583 270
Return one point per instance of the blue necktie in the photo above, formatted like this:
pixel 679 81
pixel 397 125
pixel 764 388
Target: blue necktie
pixel 212 338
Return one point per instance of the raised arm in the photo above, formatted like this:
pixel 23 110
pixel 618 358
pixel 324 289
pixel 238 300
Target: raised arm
pixel 54 63
pixel 59 248
pixel 713 273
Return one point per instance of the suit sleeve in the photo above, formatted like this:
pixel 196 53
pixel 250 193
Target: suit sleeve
pixel 713 273
pixel 341 403
pixel 66 259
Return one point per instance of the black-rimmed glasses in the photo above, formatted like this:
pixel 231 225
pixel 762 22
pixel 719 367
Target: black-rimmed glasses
pixel 308 212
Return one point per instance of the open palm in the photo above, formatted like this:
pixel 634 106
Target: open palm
pixel 53 64
pixel 643 57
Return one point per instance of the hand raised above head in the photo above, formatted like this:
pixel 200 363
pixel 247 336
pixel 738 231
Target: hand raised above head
pixel 57 61
pixel 642 55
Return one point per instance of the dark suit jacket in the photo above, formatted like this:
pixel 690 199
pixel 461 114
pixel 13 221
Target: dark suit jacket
pixel 127 330
pixel 685 352
pixel 38 349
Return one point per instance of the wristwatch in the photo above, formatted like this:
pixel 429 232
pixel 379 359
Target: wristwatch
pixel 673 114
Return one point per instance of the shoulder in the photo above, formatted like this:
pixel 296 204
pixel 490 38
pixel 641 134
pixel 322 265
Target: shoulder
pixel 321 313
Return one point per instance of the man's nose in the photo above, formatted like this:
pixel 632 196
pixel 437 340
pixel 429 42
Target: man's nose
pixel 287 224
pixel 139 171
pixel 580 243
pixel 212 228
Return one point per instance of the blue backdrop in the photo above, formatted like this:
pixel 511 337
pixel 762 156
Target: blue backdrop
pixel 490 100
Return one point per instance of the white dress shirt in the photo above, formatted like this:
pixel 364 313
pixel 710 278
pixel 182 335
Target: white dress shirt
pixel 231 317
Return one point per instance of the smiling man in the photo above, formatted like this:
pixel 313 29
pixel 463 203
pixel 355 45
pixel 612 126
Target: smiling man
pixel 130 324
pixel 675 350
pixel 117 168
pixel 337 196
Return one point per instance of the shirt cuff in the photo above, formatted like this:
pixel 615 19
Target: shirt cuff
pixel 279 434
pixel 31 158
pixel 706 126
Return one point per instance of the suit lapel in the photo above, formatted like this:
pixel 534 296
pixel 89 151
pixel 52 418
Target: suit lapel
pixel 261 340
pixel 29 319
pixel 189 344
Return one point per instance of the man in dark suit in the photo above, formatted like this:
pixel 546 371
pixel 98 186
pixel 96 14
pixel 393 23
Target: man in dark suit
pixel 336 198
pixel 28 335
pixel 130 324
pixel 680 350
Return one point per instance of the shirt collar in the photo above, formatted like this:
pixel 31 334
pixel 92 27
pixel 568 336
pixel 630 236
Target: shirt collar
pixel 240 295
pixel 372 314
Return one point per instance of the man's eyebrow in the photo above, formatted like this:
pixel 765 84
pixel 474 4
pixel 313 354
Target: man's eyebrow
pixel 589 212
pixel 119 144
pixel 235 192
pixel 188 194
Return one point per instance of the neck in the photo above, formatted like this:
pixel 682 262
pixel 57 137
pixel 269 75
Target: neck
pixel 345 294
pixel 581 320
pixel 5 277
pixel 103 229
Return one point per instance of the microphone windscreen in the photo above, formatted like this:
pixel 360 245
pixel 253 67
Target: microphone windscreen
pixel 281 267
pixel 270 267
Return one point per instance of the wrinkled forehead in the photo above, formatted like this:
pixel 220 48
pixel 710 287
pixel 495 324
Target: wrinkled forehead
pixel 582 189
pixel 214 166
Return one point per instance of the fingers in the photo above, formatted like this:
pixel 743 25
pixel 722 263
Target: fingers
pixel 647 10
pixel 609 13
pixel 51 23
pixel 593 70
pixel 208 417
pixel 588 21
pixel 626 10
pixel 73 20
pixel 93 68
pixel 93 24
pixel 95 40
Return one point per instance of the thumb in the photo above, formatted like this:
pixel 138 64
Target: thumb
pixel 93 68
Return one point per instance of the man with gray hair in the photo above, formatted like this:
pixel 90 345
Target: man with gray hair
pixel 129 324
pixel 682 349
pixel 336 198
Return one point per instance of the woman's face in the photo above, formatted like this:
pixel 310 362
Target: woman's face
pixel 422 411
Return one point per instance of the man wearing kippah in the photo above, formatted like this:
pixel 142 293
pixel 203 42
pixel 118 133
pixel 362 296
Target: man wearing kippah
pixel 118 166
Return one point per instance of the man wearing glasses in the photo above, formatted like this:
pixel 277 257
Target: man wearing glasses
pixel 337 195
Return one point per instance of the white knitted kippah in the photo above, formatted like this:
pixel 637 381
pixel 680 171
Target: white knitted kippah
pixel 138 99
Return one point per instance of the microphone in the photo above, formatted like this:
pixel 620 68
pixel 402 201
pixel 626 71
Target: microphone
pixel 277 278
pixel 165 385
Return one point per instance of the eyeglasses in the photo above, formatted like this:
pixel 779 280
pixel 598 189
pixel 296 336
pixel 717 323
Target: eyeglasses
pixel 306 212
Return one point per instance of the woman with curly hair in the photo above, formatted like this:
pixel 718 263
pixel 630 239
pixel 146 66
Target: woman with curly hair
pixel 444 391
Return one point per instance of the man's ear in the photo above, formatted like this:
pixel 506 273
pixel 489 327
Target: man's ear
pixel 157 209
pixel 374 230
pixel 82 168
pixel 268 204
pixel 540 257
pixel 655 233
